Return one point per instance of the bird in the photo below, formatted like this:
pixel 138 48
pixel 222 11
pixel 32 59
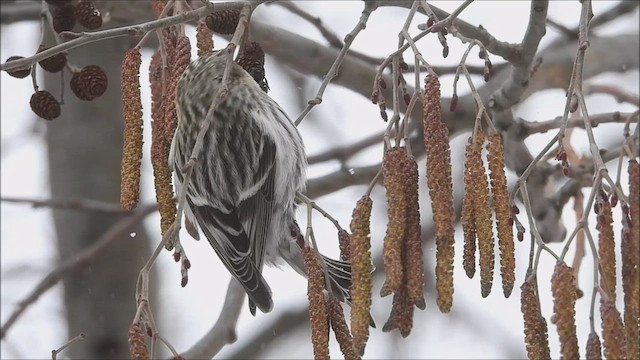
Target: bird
pixel 243 186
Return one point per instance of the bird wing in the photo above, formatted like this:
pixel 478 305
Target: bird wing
pixel 256 211
pixel 233 246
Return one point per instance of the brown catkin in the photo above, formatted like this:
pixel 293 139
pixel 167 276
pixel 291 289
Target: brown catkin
pixel 606 245
pixel 484 226
pixel 132 144
pixel 612 331
pixel 155 80
pixel 157 6
pixel 495 157
pixel 394 184
pixel 204 39
pixel 137 347
pixel 223 22
pixel 344 241
pixel 631 264
pixel 361 273
pixel 162 134
pixel 401 316
pixel 436 140
pixel 594 349
pixel 317 304
pixel 340 329
pixel 563 289
pixel 535 326
pixel 468 216
pixel 413 264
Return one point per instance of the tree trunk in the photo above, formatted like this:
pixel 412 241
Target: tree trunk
pixel 84 152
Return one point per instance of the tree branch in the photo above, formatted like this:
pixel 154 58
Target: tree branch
pixel 71 204
pixel 79 261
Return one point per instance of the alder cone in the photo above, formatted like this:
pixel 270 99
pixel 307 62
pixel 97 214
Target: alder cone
pixel 18 73
pixel 54 63
pixel 88 15
pixel 223 22
pixel 64 17
pixel 89 83
pixel 45 105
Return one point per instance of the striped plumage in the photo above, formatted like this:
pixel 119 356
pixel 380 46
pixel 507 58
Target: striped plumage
pixel 245 181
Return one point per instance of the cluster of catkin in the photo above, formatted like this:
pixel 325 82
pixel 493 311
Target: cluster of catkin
pixel 402 248
pixel 477 209
pixel 325 311
pixel 620 333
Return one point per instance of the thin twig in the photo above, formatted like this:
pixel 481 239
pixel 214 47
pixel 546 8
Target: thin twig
pixel 54 353
pixel 369 7
pixel 71 204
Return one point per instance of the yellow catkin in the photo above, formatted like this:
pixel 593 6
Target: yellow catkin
pixel 394 184
pixel 495 157
pixel 535 326
pixel 318 314
pixel 563 289
pixel 132 142
pixel 340 329
pixel 612 331
pixel 361 273
pixel 204 39
pixel 606 245
pixel 137 347
pixel 162 134
pixel 484 228
pixel 401 316
pixel 594 349
pixel 631 264
pixel 413 264
pixel 468 216
pixel 436 140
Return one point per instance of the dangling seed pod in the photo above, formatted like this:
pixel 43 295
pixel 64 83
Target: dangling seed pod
pixel 54 63
pixel 413 264
pixel 484 221
pixel 563 289
pixel 361 268
pixel 18 73
pixel 137 347
pixel 394 180
pixel 612 331
pixel 535 326
pixel 630 247
pixel 594 350
pixel 436 140
pixel 401 316
pixel 89 83
pixel 223 22
pixel 204 39
pixel 606 245
pixel 317 304
pixel 495 156
pixel 45 105
pixel 132 143
pixel 88 15
pixel 468 216
pixel 63 17
pixel 344 241
pixel 340 329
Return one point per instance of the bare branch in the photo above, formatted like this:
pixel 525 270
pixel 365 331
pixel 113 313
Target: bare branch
pixel 71 204
pixel 223 331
